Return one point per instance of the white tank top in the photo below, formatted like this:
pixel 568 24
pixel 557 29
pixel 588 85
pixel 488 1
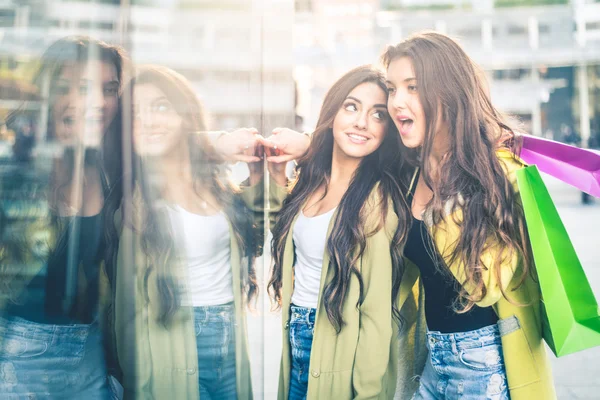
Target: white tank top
pixel 310 240
pixel 204 244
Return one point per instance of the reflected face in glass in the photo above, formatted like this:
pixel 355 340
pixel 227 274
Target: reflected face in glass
pixel 157 126
pixel 360 125
pixel 84 102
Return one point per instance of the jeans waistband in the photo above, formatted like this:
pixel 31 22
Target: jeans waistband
pixel 216 308
pixel 219 312
pixel 302 314
pixel 30 329
pixel 487 335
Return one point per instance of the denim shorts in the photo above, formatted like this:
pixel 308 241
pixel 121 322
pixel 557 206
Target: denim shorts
pixel 302 325
pixel 465 365
pixel 215 341
pixel 45 361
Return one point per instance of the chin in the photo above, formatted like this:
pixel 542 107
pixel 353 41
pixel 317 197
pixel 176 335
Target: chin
pixel 357 154
pixel 410 143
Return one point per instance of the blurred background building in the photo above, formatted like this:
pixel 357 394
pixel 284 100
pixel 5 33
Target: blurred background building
pixel 541 56
pixel 237 53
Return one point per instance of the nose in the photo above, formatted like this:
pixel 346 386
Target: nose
pixel 95 98
pixel 361 121
pixel 398 100
pixel 144 118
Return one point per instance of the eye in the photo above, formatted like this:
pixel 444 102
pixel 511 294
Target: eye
pixel 412 88
pixel 380 115
pixel 162 107
pixel 391 90
pixel 350 107
pixel 110 91
pixel 60 90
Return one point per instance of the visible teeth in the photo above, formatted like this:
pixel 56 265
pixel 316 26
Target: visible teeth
pixel 356 137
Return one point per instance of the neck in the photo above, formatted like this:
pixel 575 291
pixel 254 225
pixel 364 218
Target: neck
pixel 343 167
pixel 438 151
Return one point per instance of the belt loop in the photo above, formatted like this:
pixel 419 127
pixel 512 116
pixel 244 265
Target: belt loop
pixel 454 348
pixel 508 325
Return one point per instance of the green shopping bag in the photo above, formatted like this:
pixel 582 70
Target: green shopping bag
pixel 571 317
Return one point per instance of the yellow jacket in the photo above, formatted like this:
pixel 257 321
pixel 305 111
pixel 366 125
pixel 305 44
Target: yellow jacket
pixel 527 367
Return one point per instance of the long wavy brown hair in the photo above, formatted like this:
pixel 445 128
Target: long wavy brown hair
pixel 347 241
pixel 152 222
pixel 79 50
pixel 470 176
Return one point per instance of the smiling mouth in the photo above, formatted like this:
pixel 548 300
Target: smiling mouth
pixel 153 137
pixel 358 139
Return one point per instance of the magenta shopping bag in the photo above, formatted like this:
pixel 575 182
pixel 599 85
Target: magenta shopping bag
pixel 577 167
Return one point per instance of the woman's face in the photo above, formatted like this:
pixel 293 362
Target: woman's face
pixel 84 101
pixel 360 125
pixel 404 104
pixel 157 127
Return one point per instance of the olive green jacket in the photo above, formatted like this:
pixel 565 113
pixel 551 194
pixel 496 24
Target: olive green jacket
pixel 363 360
pixel 161 362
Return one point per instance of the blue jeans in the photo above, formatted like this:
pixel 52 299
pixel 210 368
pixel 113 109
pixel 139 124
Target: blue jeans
pixel 302 325
pixel 465 365
pixel 51 361
pixel 215 341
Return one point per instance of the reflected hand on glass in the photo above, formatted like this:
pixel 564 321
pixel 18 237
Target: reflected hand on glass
pixel 256 168
pixel 289 145
pixel 277 170
pixel 239 145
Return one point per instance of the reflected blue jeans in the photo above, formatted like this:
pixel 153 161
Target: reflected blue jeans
pixel 45 361
pixel 302 325
pixel 464 365
pixel 215 341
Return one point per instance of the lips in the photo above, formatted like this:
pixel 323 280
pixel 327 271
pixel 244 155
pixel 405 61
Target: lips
pixel 153 137
pixel 357 138
pixel 404 124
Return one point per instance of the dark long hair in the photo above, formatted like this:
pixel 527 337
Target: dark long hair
pixel 108 159
pixel 156 235
pixel 471 176
pixel 347 241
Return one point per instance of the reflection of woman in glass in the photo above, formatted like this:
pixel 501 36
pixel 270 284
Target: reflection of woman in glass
pixel 336 269
pixel 192 242
pixel 53 241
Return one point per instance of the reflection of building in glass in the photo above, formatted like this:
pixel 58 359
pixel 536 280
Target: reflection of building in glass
pixel 537 56
pixel 236 53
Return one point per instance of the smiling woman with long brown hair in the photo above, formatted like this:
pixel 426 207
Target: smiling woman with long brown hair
pixel 335 249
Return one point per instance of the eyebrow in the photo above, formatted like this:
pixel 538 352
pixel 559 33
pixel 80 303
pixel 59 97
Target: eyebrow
pixel 161 98
pixel 88 81
pixel 360 102
pixel 405 80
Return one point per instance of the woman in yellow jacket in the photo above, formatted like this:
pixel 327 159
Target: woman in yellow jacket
pixel 468 235
pixel 336 253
